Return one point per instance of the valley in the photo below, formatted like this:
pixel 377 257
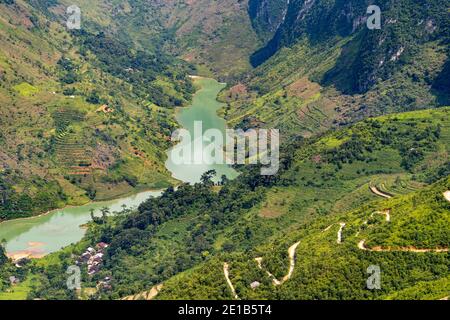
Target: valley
pixel 60 228
pixel 88 123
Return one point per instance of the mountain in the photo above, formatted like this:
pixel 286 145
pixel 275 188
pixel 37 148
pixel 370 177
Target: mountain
pixel 83 113
pixel 183 239
pixel 324 68
pixel 267 16
pixel 216 36
pixel 331 257
pixel 368 55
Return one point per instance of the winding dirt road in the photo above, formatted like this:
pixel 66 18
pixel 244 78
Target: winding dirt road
pixel 292 255
pixel 362 246
pixel 386 213
pixel 226 272
pixel 339 234
pixel 379 193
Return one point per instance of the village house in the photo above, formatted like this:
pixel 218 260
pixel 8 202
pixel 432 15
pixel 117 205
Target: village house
pixel 255 285
pixel 93 258
pixel 13 280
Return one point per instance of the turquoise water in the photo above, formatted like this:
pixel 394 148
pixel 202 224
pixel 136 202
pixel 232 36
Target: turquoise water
pixel 38 236
pixel 204 109
pixel 41 235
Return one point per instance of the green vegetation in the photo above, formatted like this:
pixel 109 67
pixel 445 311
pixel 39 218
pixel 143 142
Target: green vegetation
pixel 327 270
pixel 26 89
pixel 86 115
pixel 323 68
pixel 183 238
pixel 8 290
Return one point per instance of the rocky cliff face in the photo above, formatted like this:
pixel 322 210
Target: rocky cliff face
pixel 267 16
pixel 369 54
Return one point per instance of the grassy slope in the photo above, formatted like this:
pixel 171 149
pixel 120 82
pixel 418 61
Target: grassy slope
pixel 217 35
pixel 327 270
pixel 316 192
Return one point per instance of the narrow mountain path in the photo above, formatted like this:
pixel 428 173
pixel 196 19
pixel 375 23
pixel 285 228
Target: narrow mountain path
pixel 379 193
pixel 292 256
pixel 362 246
pixel 292 253
pixel 226 272
pixel 447 195
pixel 339 234
pixel 386 213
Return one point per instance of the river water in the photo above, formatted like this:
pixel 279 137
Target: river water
pixel 41 235
pixel 203 110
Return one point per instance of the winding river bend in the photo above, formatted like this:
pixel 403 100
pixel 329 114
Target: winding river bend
pixel 38 236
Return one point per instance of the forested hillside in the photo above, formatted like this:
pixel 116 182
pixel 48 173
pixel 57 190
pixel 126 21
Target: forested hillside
pixel 325 68
pixel 364 120
pixel 327 268
pixel 267 16
pixel 324 182
pixel 83 113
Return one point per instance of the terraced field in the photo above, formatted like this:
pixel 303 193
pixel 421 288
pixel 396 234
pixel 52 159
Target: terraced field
pixel 395 185
pixel 71 150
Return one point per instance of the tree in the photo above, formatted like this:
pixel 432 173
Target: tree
pixel 223 180
pixel 105 212
pixel 207 177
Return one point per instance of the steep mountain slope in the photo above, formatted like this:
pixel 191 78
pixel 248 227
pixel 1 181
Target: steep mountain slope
pixel 267 16
pixel 324 181
pixel 88 114
pixel 216 36
pixel 83 114
pixel 325 68
pixel 326 269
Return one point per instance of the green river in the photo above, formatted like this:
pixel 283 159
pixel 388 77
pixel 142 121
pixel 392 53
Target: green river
pixel 204 109
pixel 41 235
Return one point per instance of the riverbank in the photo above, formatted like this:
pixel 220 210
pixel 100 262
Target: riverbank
pixel 120 197
pixel 59 228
